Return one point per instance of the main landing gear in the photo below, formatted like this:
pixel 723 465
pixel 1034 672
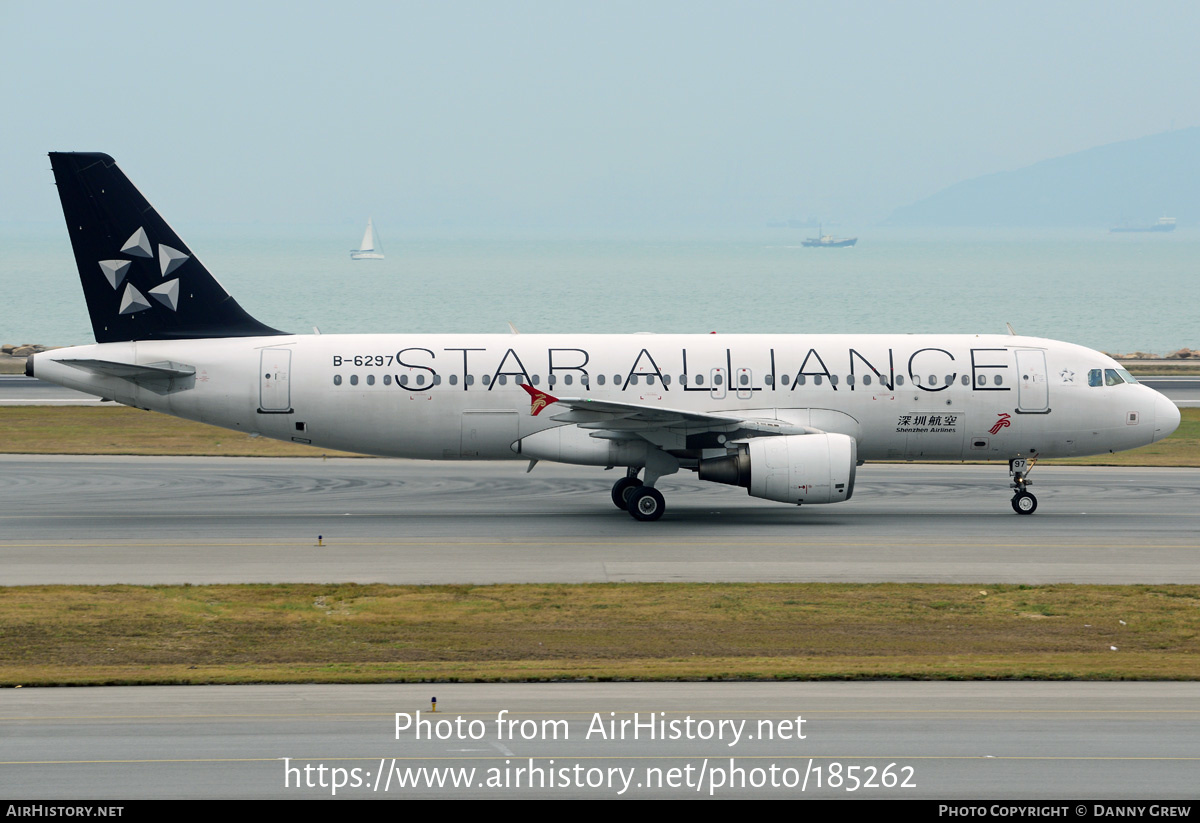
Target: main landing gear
pixel 1023 502
pixel 641 501
pixel 622 490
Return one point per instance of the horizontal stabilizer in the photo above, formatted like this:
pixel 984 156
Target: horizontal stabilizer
pixel 161 378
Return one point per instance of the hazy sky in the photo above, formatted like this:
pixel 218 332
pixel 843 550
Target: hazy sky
pixel 573 115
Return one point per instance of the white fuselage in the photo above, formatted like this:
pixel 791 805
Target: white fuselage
pixel 430 396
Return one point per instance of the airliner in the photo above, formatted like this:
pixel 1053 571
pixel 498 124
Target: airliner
pixel 787 417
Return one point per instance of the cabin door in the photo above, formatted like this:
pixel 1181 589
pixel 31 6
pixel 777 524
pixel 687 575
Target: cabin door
pixel 1033 388
pixel 275 385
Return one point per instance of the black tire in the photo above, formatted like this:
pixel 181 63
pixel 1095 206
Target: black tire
pixel 1024 503
pixel 621 491
pixel 646 504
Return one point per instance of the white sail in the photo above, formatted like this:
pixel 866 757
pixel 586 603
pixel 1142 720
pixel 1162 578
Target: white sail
pixel 367 251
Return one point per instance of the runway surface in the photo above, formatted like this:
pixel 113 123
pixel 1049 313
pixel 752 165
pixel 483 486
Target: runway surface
pixel 18 390
pixel 945 740
pixel 222 520
pixel 1184 390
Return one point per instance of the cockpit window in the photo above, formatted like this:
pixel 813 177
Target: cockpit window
pixel 1126 376
pixel 1096 377
pixel 1111 378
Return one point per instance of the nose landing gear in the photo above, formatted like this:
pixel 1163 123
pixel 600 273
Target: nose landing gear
pixel 1023 502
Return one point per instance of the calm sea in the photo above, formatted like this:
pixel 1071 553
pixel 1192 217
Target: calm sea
pixel 1118 293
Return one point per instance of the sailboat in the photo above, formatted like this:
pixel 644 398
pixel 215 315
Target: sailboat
pixel 370 249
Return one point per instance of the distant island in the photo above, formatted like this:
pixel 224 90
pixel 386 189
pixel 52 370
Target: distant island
pixel 1128 183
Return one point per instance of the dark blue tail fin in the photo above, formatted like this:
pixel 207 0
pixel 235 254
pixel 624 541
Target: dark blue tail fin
pixel 140 280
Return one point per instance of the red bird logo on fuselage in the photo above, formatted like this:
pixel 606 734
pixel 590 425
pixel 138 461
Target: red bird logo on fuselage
pixel 538 399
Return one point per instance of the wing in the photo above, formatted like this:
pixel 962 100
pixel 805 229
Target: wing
pixel 613 420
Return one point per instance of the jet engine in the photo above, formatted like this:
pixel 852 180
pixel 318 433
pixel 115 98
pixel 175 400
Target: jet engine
pixel 799 468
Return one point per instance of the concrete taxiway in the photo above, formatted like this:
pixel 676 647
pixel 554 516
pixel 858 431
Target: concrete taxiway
pixel 19 390
pixel 730 740
pixel 149 520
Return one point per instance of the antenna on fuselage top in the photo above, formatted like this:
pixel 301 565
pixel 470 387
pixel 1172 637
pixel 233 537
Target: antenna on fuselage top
pixel 1011 330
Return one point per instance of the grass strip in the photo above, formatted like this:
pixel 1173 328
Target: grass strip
pixel 122 430
pixel 92 635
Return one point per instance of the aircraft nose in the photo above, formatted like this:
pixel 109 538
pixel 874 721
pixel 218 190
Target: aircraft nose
pixel 1166 417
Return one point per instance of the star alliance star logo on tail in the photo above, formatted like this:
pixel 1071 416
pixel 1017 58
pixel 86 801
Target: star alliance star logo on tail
pixel 538 399
pixel 169 259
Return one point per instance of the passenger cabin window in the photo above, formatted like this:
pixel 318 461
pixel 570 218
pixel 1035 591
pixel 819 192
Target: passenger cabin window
pixel 387 380
pixel 600 379
pixel 866 379
pixel 370 380
pixel 567 379
pixel 899 380
pixel 420 379
pixel 454 380
pixel 769 379
pixel 354 380
pixel 337 380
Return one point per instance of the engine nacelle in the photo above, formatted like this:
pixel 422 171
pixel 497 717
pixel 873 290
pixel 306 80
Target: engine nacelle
pixel 801 468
